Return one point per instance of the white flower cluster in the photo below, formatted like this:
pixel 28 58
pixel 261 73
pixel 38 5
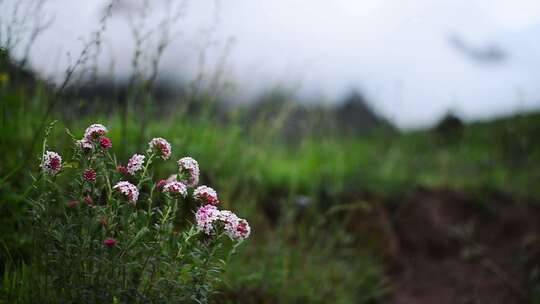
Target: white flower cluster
pixel 135 163
pixel 52 163
pixel 129 190
pixel 160 145
pixel 175 188
pixel 205 217
pixel 94 131
pixel 189 168
pixel 206 195
pixel 241 230
pixel 208 217
pixel 85 143
pixel 235 227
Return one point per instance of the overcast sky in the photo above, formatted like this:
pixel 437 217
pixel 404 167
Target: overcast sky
pixel 414 59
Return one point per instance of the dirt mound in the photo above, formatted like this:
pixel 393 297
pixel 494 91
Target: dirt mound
pixel 454 248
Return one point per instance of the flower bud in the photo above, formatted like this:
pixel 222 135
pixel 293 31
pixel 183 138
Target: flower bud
pixel 88 200
pixel 109 242
pixel 90 175
pixel 161 183
pixel 105 142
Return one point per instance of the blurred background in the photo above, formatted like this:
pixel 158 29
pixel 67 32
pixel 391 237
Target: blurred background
pixel 384 152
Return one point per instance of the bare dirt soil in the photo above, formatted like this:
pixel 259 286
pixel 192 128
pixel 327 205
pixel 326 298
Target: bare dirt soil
pixel 450 247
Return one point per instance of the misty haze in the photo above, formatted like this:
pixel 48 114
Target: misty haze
pixel 322 51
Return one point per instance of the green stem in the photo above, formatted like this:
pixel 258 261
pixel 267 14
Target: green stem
pixel 143 176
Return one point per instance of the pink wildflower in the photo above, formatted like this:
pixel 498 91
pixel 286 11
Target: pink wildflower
pixel 109 242
pixel 175 188
pixel 123 170
pixel 208 216
pixel 205 217
pixel 189 170
pixel 206 195
pixel 242 230
pixel 161 183
pixel 95 131
pixel 52 163
pixel 90 175
pixel 235 227
pixel 135 163
pixel 105 142
pixel 228 219
pixel 85 144
pixel 128 190
pixel 162 146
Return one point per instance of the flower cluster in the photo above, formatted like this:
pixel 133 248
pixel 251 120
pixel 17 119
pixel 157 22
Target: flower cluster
pixel 160 184
pixel 128 190
pixel 189 171
pixel 235 227
pixel 205 217
pixel 122 170
pixel 175 189
pixel 135 163
pixel 85 144
pixel 95 133
pixel 241 230
pixel 161 146
pixel 209 219
pixel 90 175
pixel 105 142
pixel 52 163
pixel 206 195
pixel 134 219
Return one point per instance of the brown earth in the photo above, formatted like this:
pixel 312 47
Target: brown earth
pixel 449 247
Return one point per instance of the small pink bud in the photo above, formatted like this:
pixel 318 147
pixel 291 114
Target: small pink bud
pixel 110 242
pixel 123 170
pixel 72 204
pixel 105 142
pixel 90 175
pixel 88 200
pixel 161 183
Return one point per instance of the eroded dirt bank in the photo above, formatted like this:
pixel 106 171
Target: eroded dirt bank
pixel 451 247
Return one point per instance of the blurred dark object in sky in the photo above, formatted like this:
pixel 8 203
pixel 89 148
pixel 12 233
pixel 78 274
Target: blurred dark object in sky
pixel 488 54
